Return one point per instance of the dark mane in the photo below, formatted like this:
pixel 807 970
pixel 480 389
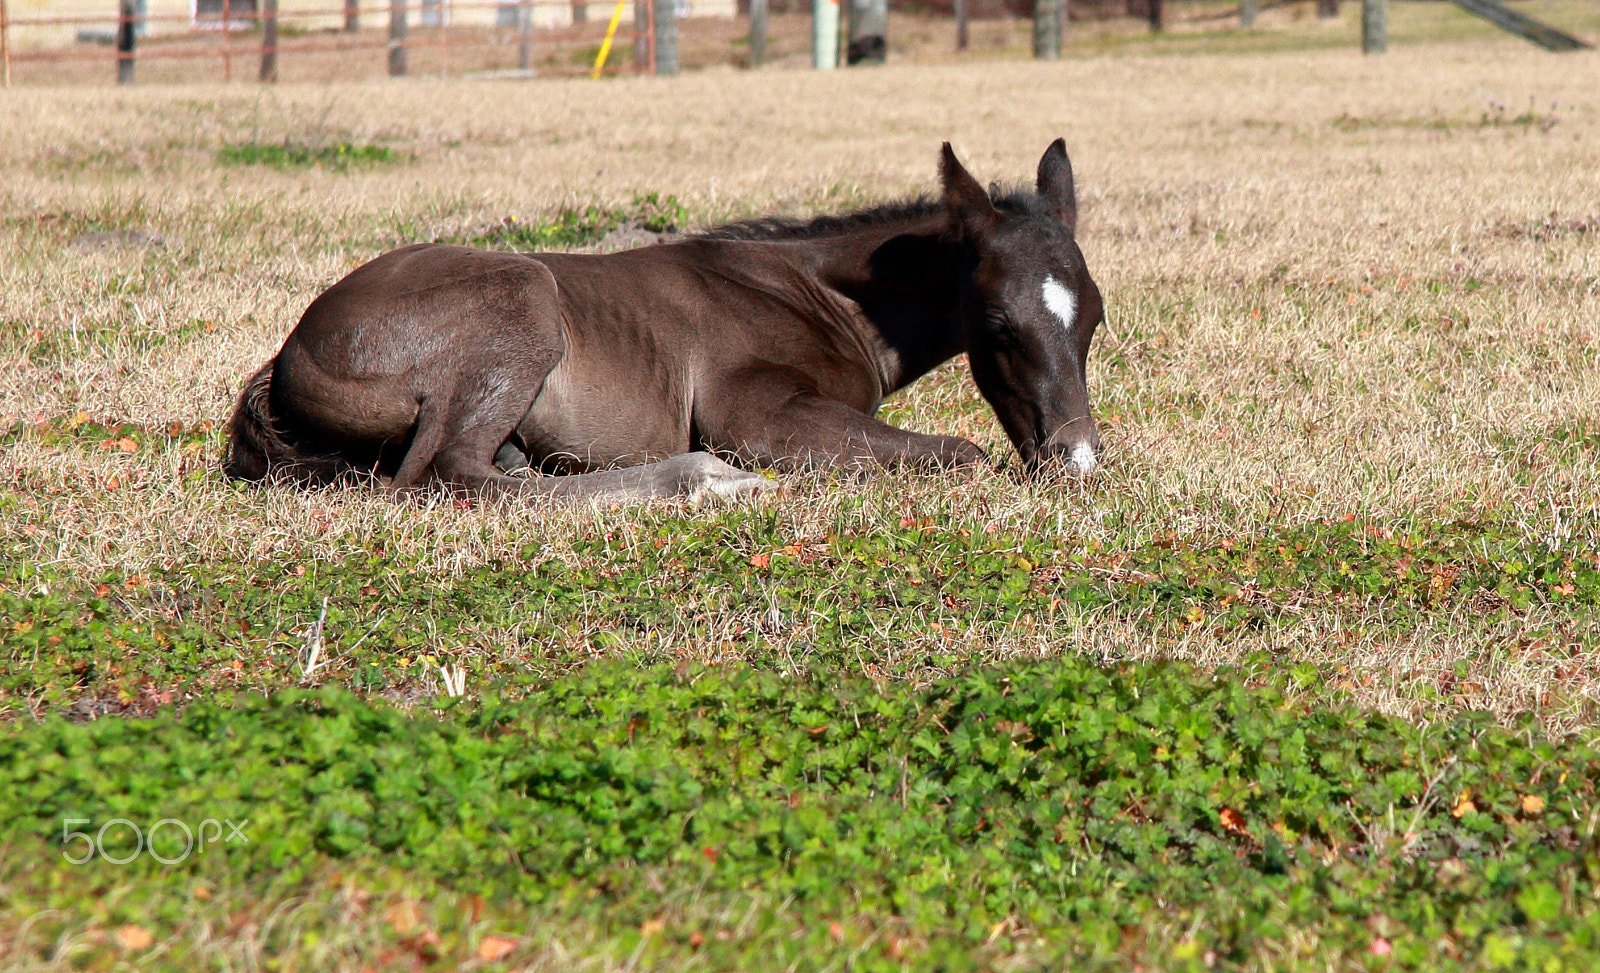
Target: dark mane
pixel 912 210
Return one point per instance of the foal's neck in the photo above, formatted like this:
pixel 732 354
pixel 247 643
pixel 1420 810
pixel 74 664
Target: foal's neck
pixel 904 285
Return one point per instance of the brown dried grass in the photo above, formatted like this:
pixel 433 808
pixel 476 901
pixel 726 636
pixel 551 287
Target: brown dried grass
pixel 1335 285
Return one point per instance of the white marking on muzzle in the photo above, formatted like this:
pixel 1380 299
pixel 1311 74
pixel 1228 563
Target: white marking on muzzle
pixel 1061 302
pixel 1083 459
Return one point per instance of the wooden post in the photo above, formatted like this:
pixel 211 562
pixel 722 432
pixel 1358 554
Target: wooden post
pixel 525 35
pixel 1247 13
pixel 5 41
pixel 758 33
pixel 352 16
pixel 664 42
pixel 1522 25
pixel 126 12
pixel 1047 29
pixel 641 36
pixel 269 41
pixel 1158 16
pixel 963 38
pixel 869 32
pixel 1327 9
pixel 824 34
pixel 397 38
pixel 1374 26
pixel 580 11
pixel 227 40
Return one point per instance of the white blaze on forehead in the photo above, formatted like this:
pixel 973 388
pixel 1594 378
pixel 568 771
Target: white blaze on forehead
pixel 1061 302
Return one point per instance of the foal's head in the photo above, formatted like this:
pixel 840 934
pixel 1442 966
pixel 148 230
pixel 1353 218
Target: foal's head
pixel 1039 308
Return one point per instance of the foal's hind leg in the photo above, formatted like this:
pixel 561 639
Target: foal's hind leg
pixel 696 476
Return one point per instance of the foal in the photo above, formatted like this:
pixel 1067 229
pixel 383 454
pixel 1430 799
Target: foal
pixel 771 341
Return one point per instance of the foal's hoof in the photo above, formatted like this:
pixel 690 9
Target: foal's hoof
pixel 709 477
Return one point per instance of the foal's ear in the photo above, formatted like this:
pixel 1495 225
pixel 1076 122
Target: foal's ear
pixel 1055 185
pixel 969 206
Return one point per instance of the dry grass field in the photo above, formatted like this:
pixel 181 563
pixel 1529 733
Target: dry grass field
pixel 1349 385
pixel 1336 286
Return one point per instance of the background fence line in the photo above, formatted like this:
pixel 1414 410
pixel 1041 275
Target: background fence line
pixel 131 43
pixel 849 32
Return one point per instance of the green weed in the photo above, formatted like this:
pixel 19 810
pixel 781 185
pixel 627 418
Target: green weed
pixel 339 156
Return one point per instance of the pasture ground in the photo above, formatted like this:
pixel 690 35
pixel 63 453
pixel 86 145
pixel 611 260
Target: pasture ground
pixel 1348 390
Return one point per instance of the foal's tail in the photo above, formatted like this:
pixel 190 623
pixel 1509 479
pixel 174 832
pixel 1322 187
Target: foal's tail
pixel 257 447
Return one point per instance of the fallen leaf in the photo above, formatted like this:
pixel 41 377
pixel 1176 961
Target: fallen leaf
pixel 134 938
pixel 651 927
pixel 836 931
pixel 1532 804
pixel 1463 805
pixel 1234 822
pixel 760 560
pixel 696 938
pixel 402 917
pixel 1380 946
pixel 495 947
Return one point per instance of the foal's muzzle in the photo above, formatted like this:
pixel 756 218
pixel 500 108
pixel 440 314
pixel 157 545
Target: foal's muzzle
pixel 1079 459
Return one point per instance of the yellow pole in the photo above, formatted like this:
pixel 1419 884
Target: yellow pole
pixel 605 45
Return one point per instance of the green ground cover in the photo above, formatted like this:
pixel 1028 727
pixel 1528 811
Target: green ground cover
pixel 1053 813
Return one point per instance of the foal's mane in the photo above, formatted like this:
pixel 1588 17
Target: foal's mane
pixel 913 210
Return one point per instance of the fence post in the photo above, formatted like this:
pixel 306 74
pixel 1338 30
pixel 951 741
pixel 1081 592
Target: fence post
pixel 758 32
pixel 580 11
pixel 641 36
pixel 1374 26
pixel 1247 13
pixel 1327 9
pixel 962 36
pixel 1047 29
pixel 824 34
pixel 269 41
pixel 397 38
pixel 5 41
pixel 352 16
pixel 1157 15
pixel 525 35
pixel 665 41
pixel 869 32
pixel 126 12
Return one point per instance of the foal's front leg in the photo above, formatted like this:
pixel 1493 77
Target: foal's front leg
pixel 813 431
